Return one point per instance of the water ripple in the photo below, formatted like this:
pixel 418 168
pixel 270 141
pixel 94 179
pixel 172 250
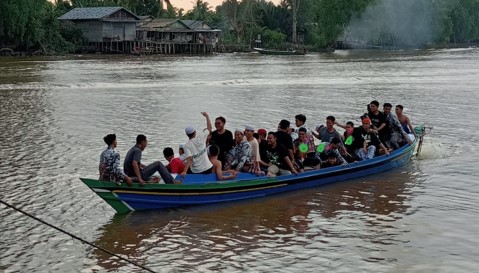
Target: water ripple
pixel 55 112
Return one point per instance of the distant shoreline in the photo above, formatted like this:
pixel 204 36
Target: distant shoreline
pixel 8 52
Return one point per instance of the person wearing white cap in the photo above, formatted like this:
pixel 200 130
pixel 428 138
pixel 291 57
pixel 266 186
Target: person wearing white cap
pixel 195 150
pixel 248 132
pixel 240 157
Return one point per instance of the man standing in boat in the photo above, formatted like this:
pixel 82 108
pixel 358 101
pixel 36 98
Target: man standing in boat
pixel 134 168
pixel 223 138
pixel 195 150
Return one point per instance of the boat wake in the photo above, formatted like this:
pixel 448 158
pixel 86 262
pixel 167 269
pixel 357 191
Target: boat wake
pixel 432 149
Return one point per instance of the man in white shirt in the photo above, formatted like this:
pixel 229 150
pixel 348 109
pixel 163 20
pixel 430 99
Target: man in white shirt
pixel 195 150
pixel 248 132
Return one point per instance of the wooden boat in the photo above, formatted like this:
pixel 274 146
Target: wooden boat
pixel 278 52
pixel 205 189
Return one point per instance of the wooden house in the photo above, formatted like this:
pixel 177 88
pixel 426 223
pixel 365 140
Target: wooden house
pixel 187 36
pixel 117 30
pixel 104 24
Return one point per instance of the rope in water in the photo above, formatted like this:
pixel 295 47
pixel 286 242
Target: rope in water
pixel 76 237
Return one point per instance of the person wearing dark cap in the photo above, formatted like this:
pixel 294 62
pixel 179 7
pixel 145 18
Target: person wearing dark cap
pixel 133 166
pixel 109 166
pixel 262 135
pixel 366 140
pixel 333 147
pixel 331 161
pixel 195 150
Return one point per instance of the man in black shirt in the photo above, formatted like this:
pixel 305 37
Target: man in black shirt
pixel 285 138
pixel 277 155
pixel 222 138
pixel 378 121
pixel 366 141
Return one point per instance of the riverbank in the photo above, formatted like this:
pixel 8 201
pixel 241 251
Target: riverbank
pixel 6 51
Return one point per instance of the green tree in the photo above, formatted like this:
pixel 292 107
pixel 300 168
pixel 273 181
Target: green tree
pixel 201 12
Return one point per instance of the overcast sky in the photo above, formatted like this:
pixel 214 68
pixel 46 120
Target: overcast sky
pixel 188 4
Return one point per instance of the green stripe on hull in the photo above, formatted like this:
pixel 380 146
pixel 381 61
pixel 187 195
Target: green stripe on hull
pixel 114 201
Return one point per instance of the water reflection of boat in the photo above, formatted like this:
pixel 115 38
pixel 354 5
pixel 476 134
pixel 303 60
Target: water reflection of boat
pixel 204 189
pixel 279 52
pixel 154 238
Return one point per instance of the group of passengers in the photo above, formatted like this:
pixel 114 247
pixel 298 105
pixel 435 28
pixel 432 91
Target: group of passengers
pixel 284 151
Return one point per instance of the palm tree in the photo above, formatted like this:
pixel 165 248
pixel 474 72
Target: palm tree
pixel 201 11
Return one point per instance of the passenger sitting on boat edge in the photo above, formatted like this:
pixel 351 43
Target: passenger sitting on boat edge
pixel 240 157
pixel 133 166
pixel 397 135
pixel 405 122
pixel 370 140
pixel 278 158
pixel 109 165
pixel 217 169
pixel 175 164
pixel 195 150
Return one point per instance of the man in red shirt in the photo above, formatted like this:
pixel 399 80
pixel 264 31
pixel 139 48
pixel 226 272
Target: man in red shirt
pixel 175 165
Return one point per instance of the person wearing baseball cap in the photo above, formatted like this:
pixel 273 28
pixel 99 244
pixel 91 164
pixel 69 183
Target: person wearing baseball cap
pixel 262 132
pixel 366 140
pixel 195 150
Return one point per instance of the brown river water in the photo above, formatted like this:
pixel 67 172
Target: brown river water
pixel 54 112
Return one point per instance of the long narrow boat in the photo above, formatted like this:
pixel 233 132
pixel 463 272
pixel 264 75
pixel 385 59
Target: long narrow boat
pixel 278 52
pixel 205 189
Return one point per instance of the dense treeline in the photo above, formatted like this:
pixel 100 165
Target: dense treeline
pixel 32 24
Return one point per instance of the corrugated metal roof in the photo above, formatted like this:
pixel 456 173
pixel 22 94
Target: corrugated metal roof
pixel 162 24
pixel 90 13
pixel 194 24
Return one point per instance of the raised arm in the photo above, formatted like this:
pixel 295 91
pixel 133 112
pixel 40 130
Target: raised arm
pixel 136 170
pixel 340 125
pixel 208 121
pixel 410 126
pixel 220 175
